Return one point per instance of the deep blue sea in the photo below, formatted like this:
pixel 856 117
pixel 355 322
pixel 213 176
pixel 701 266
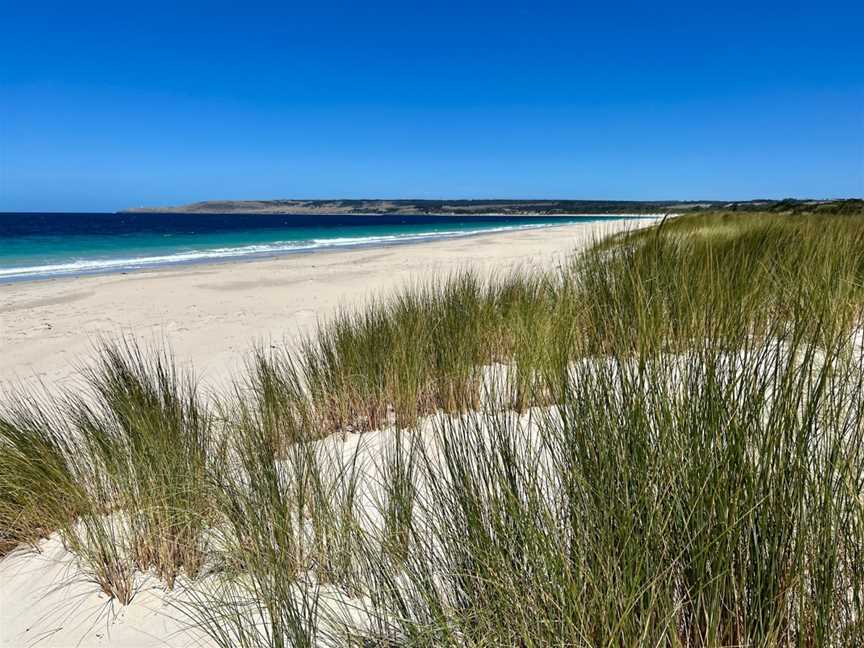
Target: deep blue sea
pixel 38 246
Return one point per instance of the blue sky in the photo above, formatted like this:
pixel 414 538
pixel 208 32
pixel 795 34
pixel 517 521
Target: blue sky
pixel 111 105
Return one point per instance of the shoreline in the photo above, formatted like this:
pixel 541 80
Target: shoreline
pixel 212 314
pixel 126 266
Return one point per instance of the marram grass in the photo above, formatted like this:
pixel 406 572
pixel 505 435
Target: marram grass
pixel 658 444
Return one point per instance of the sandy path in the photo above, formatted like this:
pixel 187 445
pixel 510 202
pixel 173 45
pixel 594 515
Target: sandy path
pixel 212 314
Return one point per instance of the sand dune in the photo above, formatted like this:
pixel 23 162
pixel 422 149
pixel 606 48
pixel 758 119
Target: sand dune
pixel 211 315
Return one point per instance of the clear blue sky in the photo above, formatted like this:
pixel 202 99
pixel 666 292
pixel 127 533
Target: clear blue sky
pixel 111 105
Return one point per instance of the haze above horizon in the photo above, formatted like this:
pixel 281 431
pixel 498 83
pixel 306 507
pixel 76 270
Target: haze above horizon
pixel 110 106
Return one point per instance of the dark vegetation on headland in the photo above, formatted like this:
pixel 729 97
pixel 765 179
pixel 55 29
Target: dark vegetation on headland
pixel 508 207
pixel 661 444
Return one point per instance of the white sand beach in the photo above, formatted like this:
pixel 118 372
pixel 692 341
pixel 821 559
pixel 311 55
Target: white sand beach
pixel 212 314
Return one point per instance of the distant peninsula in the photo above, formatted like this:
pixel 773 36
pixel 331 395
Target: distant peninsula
pixel 508 207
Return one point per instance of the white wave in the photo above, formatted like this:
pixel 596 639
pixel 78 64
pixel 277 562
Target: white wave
pixel 93 266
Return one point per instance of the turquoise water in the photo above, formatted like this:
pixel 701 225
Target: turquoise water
pixel 38 246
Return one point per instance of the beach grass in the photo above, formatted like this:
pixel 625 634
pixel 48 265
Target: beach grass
pixel 36 480
pixel 659 443
pixel 120 468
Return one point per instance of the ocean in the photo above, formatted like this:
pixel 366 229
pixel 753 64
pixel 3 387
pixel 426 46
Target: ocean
pixel 44 245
